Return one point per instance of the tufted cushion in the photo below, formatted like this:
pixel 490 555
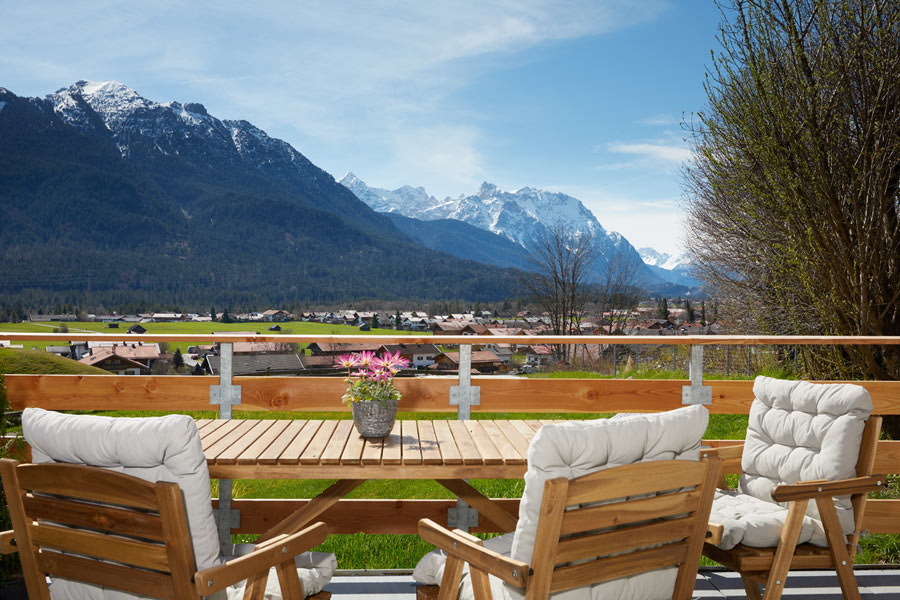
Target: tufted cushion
pixel 577 448
pixel 155 449
pixel 798 431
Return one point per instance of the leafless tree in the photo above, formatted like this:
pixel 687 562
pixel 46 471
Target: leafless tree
pixel 563 261
pixel 792 194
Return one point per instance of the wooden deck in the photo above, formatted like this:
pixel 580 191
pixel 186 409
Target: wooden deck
pixel 874 584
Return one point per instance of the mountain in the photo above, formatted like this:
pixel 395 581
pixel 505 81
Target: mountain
pixel 523 216
pixel 107 197
pixel 675 269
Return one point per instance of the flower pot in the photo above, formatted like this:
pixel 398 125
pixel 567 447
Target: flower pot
pixel 374 419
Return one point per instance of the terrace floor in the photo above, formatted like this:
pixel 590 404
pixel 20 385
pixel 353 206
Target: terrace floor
pixel 880 583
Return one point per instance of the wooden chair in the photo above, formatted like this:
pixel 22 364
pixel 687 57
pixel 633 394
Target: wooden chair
pixel 111 529
pixel 768 567
pixel 588 532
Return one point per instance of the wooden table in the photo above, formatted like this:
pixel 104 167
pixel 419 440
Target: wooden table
pixel 448 451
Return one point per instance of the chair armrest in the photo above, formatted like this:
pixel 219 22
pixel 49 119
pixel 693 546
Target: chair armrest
pixel 263 557
pixel 460 545
pixel 8 542
pixel 724 452
pixel 816 489
pixel 714 533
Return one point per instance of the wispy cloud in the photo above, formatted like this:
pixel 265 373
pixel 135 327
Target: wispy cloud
pixel 659 152
pixel 656 120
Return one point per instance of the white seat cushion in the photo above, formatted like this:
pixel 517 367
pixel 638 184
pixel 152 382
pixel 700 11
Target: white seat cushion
pixel 754 522
pixel 577 448
pixel 155 449
pixel 798 431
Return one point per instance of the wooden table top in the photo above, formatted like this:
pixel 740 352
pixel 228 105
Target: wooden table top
pixel 332 449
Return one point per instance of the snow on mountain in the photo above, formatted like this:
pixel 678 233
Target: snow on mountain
pixel 663 260
pixel 168 128
pixel 523 216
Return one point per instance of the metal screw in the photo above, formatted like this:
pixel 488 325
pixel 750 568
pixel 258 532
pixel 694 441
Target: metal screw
pixel 209 583
pixel 844 562
pixel 879 483
pixel 515 573
pixel 454 545
pixel 284 549
pixel 820 488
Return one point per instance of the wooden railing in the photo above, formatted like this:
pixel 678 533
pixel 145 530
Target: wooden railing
pixel 498 394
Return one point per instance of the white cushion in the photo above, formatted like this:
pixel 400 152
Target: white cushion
pixel 164 448
pixel 577 448
pixel 798 431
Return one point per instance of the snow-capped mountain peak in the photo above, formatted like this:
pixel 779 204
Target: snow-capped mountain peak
pixel 663 260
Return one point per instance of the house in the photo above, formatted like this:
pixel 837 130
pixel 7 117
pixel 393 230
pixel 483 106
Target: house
pixel 108 360
pixel 503 351
pixel 447 328
pixel 64 351
pixel 275 328
pixel 420 356
pixel 51 318
pixel 539 355
pixel 166 317
pixel 321 363
pixel 146 354
pixel 257 364
pixel 327 349
pixel 137 328
pixel 484 361
pixel 474 329
pixel 276 315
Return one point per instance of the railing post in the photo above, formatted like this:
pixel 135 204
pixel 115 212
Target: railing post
pixel 696 393
pixel 464 396
pixel 225 395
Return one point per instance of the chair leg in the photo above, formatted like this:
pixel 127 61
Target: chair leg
pixel 843 562
pixel 751 587
pixel 790 533
pixel 450 581
pixel 481 584
pixel 255 588
pixel 289 581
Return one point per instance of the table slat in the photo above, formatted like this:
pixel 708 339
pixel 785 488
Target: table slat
pixel 223 429
pixel 486 449
pixel 467 448
pixel 523 428
pixel 431 453
pixel 515 437
pixel 331 455
pixel 446 444
pixel 371 454
pixel 213 452
pixel 393 447
pixel 507 451
pixel 253 452
pixel 230 454
pixel 352 453
pixel 271 454
pixel 412 453
pixel 313 451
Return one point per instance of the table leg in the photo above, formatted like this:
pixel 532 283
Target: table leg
pixel 496 514
pixel 315 507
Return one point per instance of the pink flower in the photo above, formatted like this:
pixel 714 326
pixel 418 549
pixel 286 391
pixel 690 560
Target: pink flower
pixel 365 358
pixel 346 361
pixel 359 374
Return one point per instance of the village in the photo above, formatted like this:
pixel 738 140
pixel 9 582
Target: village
pixel 286 359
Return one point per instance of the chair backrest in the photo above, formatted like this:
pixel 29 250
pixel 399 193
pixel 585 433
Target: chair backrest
pixel 99 527
pixel 593 530
pixel 164 448
pixel 574 449
pixel 801 431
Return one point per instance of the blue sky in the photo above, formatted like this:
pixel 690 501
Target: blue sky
pixel 584 98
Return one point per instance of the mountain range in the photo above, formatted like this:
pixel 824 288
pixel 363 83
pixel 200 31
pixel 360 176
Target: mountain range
pixel 107 197
pixel 519 220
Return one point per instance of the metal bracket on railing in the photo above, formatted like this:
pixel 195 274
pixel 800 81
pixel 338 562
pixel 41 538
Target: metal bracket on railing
pixel 232 516
pixel 465 395
pixel 696 393
pixel 225 394
pixel 462 517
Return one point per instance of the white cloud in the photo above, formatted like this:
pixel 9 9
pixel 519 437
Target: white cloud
pixel 659 152
pixel 656 120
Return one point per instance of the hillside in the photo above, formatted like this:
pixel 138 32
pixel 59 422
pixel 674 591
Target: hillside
pixel 107 198
pixel 35 361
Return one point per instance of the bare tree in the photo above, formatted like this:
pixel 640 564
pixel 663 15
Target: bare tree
pixel 563 261
pixel 792 197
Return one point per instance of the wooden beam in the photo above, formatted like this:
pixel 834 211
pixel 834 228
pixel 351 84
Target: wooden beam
pixel 420 394
pixel 360 516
